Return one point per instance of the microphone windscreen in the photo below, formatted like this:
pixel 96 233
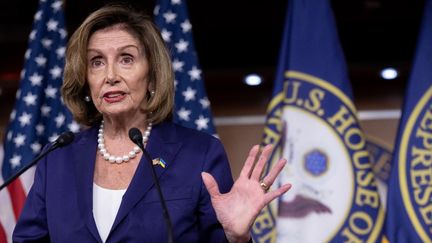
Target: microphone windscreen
pixel 65 138
pixel 135 135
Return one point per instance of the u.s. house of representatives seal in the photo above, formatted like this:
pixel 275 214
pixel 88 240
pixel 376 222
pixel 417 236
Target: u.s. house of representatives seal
pixel 334 195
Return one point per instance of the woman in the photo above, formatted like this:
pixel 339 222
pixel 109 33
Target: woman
pixel 98 189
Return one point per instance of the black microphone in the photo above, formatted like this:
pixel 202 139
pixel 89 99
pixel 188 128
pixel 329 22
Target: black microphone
pixel 63 140
pixel 136 136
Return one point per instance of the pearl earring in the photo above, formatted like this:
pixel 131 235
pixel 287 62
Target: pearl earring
pixel 87 98
pixel 152 93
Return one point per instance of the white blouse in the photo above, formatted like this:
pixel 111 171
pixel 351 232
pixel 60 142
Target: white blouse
pixel 106 203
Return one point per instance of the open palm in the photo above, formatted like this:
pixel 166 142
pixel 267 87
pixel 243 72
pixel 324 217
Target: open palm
pixel 238 209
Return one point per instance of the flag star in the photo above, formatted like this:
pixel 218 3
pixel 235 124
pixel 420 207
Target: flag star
pixel 170 17
pixel 189 94
pixel 9 135
pixel 60 52
pixel 59 120
pixel 15 161
pixel 33 34
pixel 195 73
pixel 202 122
pixel 181 46
pixel 174 2
pixel 52 25
pixel 38 15
pixel 18 93
pixel 156 10
pixel 24 119
pixel 45 110
pixel 55 72
pixel 50 92
pixel 22 74
pixel 178 65
pixel 19 140
pixel 40 60
pixel 30 99
pixel 36 147
pixel 27 54
pixel 166 35
pixel 175 83
pixel 40 129
pixel 184 114
pixel 63 33
pixel 53 137
pixel 186 26
pixel 74 127
pixel 56 5
pixel 13 114
pixel 46 43
pixel 205 102
pixel 36 79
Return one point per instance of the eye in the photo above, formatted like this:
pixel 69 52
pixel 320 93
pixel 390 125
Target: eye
pixel 127 59
pixel 96 62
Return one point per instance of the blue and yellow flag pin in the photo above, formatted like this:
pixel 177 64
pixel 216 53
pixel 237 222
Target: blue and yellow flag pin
pixel 159 161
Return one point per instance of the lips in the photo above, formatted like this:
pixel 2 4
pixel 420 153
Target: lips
pixel 300 207
pixel 114 96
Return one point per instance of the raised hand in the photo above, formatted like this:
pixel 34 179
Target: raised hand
pixel 238 209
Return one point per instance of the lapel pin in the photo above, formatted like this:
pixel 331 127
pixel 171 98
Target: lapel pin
pixel 159 161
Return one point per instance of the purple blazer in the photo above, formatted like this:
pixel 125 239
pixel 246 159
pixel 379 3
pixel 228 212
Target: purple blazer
pixel 59 205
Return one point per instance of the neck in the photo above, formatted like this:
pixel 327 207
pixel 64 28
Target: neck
pixel 119 128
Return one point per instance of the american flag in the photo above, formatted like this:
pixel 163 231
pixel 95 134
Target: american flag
pixel 192 107
pixel 39 114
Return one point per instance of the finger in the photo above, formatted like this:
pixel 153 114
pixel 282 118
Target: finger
pixel 269 196
pixel 274 172
pixel 247 167
pixel 210 184
pixel 265 154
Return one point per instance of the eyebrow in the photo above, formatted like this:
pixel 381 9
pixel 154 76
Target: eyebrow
pixel 118 49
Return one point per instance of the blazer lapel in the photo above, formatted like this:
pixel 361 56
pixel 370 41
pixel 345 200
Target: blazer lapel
pixel 162 144
pixel 84 160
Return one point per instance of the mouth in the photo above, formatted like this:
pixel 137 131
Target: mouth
pixel 114 96
pixel 301 206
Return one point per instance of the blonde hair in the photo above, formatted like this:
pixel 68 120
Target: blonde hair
pixel 75 87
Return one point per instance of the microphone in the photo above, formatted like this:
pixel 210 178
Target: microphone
pixel 136 136
pixel 63 140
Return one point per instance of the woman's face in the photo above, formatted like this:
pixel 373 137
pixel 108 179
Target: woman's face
pixel 117 72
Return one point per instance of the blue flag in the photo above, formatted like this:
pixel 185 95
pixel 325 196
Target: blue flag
pixel 409 210
pixel 39 115
pixel 312 122
pixel 192 107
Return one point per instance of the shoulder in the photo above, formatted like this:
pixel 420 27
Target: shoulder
pixel 84 140
pixel 85 135
pixel 201 145
pixel 172 131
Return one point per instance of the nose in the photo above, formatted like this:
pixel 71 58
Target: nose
pixel 111 75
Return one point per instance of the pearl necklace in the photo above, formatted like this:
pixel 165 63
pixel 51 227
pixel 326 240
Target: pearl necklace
pixel 120 159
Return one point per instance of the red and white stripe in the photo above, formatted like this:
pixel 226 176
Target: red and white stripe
pixel 12 201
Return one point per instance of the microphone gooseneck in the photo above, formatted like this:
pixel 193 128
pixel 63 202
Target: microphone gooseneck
pixel 136 136
pixel 63 140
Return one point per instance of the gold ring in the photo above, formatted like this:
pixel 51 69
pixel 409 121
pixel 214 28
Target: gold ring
pixel 264 186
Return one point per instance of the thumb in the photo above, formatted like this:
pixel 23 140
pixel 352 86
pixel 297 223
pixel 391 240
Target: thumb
pixel 210 184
